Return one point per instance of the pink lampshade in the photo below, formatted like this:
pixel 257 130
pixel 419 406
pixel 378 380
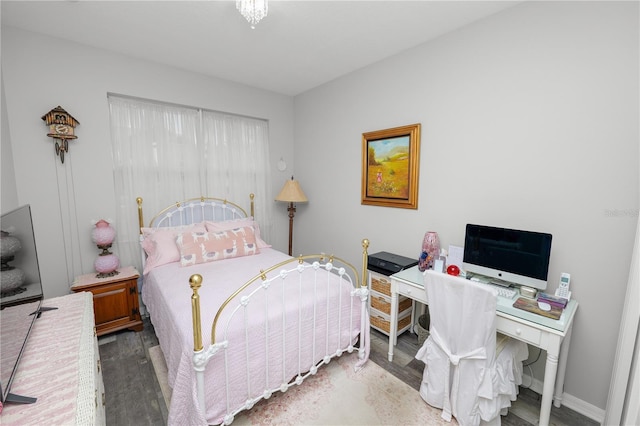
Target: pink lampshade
pixel 103 234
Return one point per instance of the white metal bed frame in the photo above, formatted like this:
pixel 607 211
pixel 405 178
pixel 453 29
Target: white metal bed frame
pixel 320 266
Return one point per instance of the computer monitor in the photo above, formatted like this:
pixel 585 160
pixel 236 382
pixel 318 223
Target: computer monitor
pixel 514 256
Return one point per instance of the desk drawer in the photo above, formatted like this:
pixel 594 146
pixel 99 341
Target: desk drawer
pixel 415 292
pixel 519 331
pixel 382 303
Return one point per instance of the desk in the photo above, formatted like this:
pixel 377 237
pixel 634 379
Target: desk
pixel 554 336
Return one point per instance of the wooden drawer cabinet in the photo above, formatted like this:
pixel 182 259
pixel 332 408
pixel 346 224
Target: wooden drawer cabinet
pixel 115 300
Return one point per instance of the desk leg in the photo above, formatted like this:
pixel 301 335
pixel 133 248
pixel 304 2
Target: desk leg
pixel 550 370
pixel 393 326
pixel 562 368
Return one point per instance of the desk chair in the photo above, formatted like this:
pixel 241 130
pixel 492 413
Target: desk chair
pixel 464 375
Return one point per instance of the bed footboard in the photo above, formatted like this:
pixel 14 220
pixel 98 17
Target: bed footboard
pixel 309 308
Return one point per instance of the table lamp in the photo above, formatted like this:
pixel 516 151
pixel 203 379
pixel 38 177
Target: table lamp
pixel 107 263
pixel 291 193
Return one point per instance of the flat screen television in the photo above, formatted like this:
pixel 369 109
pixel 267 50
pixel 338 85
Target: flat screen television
pixel 20 295
pixel 511 256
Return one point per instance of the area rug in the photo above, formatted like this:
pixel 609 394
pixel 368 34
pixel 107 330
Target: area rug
pixel 336 395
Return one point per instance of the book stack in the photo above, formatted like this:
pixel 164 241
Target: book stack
pixel 556 301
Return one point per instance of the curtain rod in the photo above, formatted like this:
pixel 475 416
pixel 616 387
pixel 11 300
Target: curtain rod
pixel 137 98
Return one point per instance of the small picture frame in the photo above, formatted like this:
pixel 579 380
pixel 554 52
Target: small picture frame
pixel 390 167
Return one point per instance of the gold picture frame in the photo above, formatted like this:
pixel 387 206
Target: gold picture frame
pixel 390 167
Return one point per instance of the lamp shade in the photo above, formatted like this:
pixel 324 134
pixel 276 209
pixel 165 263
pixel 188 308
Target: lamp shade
pixel 292 193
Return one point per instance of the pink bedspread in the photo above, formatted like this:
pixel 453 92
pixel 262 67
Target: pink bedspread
pixel 167 296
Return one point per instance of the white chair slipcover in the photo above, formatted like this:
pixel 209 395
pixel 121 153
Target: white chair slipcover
pixel 463 375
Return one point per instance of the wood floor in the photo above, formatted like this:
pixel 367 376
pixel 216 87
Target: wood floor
pixel 133 395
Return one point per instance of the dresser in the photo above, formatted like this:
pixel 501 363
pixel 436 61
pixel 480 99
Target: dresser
pixel 60 367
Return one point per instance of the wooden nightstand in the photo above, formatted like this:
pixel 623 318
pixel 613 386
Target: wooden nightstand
pixel 115 300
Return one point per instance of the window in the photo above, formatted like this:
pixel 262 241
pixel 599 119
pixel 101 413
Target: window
pixel 165 153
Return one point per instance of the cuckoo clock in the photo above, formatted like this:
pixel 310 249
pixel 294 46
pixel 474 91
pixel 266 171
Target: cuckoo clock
pixel 61 126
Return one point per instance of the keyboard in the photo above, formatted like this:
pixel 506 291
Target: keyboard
pixel 507 292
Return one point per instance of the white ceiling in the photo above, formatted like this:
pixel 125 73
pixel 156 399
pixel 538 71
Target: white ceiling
pixel 298 46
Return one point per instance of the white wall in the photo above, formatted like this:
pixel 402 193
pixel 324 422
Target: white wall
pixel 40 73
pixel 529 121
pixel 9 192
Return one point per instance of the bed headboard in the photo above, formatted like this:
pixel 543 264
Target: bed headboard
pixel 195 210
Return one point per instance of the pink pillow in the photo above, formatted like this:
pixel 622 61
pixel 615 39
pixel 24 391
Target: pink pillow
pixel 200 247
pixel 160 244
pixel 238 223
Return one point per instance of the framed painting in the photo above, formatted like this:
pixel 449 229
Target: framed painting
pixel 390 163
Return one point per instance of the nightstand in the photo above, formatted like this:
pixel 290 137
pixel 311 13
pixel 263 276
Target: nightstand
pixel 115 300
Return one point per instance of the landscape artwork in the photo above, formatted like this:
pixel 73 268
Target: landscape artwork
pixel 390 167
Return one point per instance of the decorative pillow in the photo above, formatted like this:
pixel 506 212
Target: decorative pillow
pixel 160 244
pixel 199 247
pixel 238 223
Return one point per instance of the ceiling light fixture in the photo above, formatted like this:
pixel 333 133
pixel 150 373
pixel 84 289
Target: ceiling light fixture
pixel 253 10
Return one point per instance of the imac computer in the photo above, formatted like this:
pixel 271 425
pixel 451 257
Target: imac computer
pixel 507 256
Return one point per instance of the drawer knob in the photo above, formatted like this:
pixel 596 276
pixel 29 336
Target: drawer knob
pixel 518 331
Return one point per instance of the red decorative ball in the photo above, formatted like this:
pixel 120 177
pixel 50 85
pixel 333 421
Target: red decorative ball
pixel 453 270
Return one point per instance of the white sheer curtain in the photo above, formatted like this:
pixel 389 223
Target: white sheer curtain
pixel 236 161
pixel 166 153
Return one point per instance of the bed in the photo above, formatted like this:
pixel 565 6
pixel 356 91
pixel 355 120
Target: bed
pixel 269 320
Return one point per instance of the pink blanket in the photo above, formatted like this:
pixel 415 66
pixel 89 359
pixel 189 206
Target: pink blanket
pixel 257 363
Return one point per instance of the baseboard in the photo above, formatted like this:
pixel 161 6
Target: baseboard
pixel 583 407
pixel 569 401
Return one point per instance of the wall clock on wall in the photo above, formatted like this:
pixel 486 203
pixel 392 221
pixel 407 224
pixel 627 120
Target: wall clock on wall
pixel 61 129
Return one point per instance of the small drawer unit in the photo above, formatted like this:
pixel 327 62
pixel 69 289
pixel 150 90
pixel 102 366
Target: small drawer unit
pixel 381 266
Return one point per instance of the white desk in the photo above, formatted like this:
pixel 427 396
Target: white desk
pixel 554 336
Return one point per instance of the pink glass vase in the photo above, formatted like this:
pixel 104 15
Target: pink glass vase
pixel 430 246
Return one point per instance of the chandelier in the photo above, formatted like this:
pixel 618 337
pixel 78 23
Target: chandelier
pixel 253 10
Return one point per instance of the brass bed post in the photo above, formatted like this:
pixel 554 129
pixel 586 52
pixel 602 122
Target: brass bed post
pixel 252 209
pixel 365 262
pixel 195 281
pixel 140 220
